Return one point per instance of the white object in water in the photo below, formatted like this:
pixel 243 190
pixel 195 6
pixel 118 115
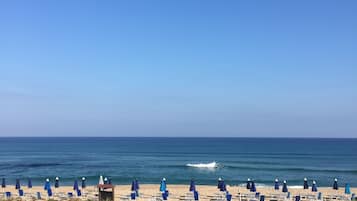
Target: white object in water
pixel 202 165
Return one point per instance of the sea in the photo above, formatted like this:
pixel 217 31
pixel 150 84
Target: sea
pixel 123 159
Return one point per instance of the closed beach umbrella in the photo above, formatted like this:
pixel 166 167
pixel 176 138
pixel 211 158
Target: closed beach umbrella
pixel 105 180
pixel 347 189
pixel 314 187
pixel 306 186
pixel 133 187
pixel 3 183
pixel 75 185
pixel 47 184
pixel 192 185
pixel 137 184
pixel 110 181
pixel 276 184
pixel 17 185
pixel 252 187
pixel 285 187
pixel 163 185
pixel 248 184
pixel 83 182
pixel 223 188
pixel 219 185
pixel 101 181
pixel 335 185
pixel 57 182
pixel 29 183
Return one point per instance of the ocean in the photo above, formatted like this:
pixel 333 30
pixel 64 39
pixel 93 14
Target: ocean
pixel 149 159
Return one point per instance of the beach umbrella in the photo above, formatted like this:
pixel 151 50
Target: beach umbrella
pixel 163 185
pixel 335 185
pixel 83 182
pixel 285 187
pixel 224 187
pixel 75 185
pixel 137 184
pixel 192 185
pixel 17 185
pixel 101 181
pixel 47 184
pixel 57 182
pixel 105 180
pixel 133 187
pixel 3 183
pixel 276 185
pixel 29 183
pixel 219 185
pixel 347 189
pixel 314 187
pixel 306 186
pixel 109 181
pixel 252 187
pixel 248 184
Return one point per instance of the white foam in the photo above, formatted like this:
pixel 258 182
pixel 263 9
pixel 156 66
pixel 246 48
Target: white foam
pixel 203 165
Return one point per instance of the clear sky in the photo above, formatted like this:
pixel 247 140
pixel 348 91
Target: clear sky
pixel 178 68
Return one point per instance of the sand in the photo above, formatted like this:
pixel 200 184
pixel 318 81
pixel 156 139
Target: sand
pixel 177 192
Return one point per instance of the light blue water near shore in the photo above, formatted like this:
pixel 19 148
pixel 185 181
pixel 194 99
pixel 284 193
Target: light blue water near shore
pixel 150 159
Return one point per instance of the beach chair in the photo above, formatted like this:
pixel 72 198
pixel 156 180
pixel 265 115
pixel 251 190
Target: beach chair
pixel 79 193
pixel 7 195
pixel 21 192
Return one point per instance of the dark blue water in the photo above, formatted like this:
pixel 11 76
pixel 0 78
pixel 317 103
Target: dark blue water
pixel 150 159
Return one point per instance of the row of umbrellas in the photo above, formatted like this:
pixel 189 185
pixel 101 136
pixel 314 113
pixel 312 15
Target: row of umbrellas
pixel 47 183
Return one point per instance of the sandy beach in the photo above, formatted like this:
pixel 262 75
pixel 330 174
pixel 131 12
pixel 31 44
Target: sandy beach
pixel 177 192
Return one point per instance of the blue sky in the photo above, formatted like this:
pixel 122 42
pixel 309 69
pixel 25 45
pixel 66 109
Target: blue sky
pixel 178 68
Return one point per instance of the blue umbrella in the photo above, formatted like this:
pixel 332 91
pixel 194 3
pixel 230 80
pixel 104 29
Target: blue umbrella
pixel 347 189
pixel 222 186
pixel 252 187
pixel 83 182
pixel 306 186
pixel 285 187
pixel 192 185
pixel 314 187
pixel 163 185
pixel 133 186
pixel 109 181
pixel 335 185
pixel 57 182
pixel 3 183
pixel 17 186
pixel 219 185
pixel 47 184
pixel 248 184
pixel 75 185
pixel 137 184
pixel 29 183
pixel 276 185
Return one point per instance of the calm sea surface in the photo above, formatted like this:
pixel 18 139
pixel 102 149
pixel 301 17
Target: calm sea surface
pixel 150 159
